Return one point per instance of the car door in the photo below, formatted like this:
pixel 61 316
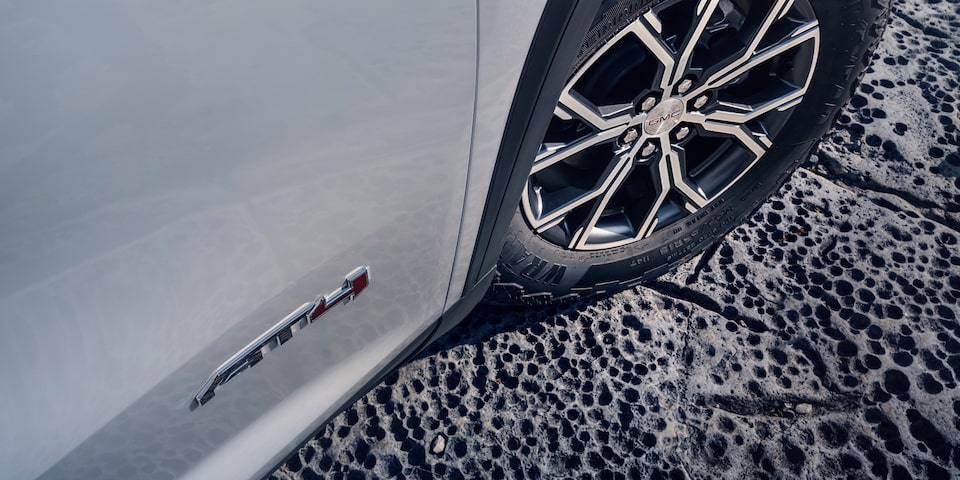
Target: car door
pixel 176 177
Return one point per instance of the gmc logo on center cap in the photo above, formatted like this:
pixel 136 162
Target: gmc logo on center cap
pixel 654 123
pixel 664 116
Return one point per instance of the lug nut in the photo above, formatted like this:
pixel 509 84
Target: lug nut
pixel 630 136
pixel 648 104
pixel 700 102
pixel 684 86
pixel 682 133
pixel 648 149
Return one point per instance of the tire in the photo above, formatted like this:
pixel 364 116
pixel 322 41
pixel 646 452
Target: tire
pixel 674 161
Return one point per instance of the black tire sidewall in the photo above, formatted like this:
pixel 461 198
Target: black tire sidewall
pixel 536 265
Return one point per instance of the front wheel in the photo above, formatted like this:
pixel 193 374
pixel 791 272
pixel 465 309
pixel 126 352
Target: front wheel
pixel 677 121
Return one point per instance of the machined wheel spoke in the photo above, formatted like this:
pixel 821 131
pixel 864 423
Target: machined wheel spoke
pixel 562 113
pixel 552 154
pixel 574 104
pixel 648 29
pixel 803 33
pixel 739 113
pixel 776 12
pixel 548 221
pixel 580 107
pixel 650 220
pixel 739 132
pixel 679 181
pixel 621 170
pixel 704 12
pixel 609 180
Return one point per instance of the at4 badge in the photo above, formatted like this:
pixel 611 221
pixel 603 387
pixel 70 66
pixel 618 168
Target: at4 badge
pixel 284 330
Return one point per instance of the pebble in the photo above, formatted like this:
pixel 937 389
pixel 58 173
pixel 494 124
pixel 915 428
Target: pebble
pixel 439 444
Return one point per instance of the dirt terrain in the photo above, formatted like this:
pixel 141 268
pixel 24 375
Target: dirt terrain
pixel 820 340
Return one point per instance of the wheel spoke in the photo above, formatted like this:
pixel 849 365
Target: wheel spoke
pixel 650 220
pixel 562 113
pixel 776 12
pixel 803 33
pixel 553 154
pixel 573 103
pixel 608 180
pixel 757 145
pixel 548 220
pixel 739 132
pixel 679 181
pixel 621 170
pixel 739 113
pixel 648 28
pixel 704 11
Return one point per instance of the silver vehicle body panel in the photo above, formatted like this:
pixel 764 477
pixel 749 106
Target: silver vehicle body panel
pixel 176 177
pixel 505 32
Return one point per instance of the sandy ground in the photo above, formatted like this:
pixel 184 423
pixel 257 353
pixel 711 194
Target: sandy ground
pixel 820 340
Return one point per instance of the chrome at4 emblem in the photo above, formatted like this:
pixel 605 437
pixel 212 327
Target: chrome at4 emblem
pixel 284 330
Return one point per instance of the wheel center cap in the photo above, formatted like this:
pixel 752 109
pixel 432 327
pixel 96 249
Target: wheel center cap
pixel 663 117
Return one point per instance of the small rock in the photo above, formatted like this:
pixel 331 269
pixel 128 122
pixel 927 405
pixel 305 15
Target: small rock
pixel 804 408
pixel 439 444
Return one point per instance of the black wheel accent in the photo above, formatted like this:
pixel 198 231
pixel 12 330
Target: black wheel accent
pixel 677 122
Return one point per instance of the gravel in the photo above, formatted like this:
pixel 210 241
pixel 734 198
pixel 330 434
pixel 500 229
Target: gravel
pixel 819 340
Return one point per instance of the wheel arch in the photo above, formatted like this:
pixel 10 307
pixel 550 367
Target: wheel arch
pixel 549 60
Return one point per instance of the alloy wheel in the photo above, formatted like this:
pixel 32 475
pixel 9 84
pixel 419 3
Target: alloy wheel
pixel 666 116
